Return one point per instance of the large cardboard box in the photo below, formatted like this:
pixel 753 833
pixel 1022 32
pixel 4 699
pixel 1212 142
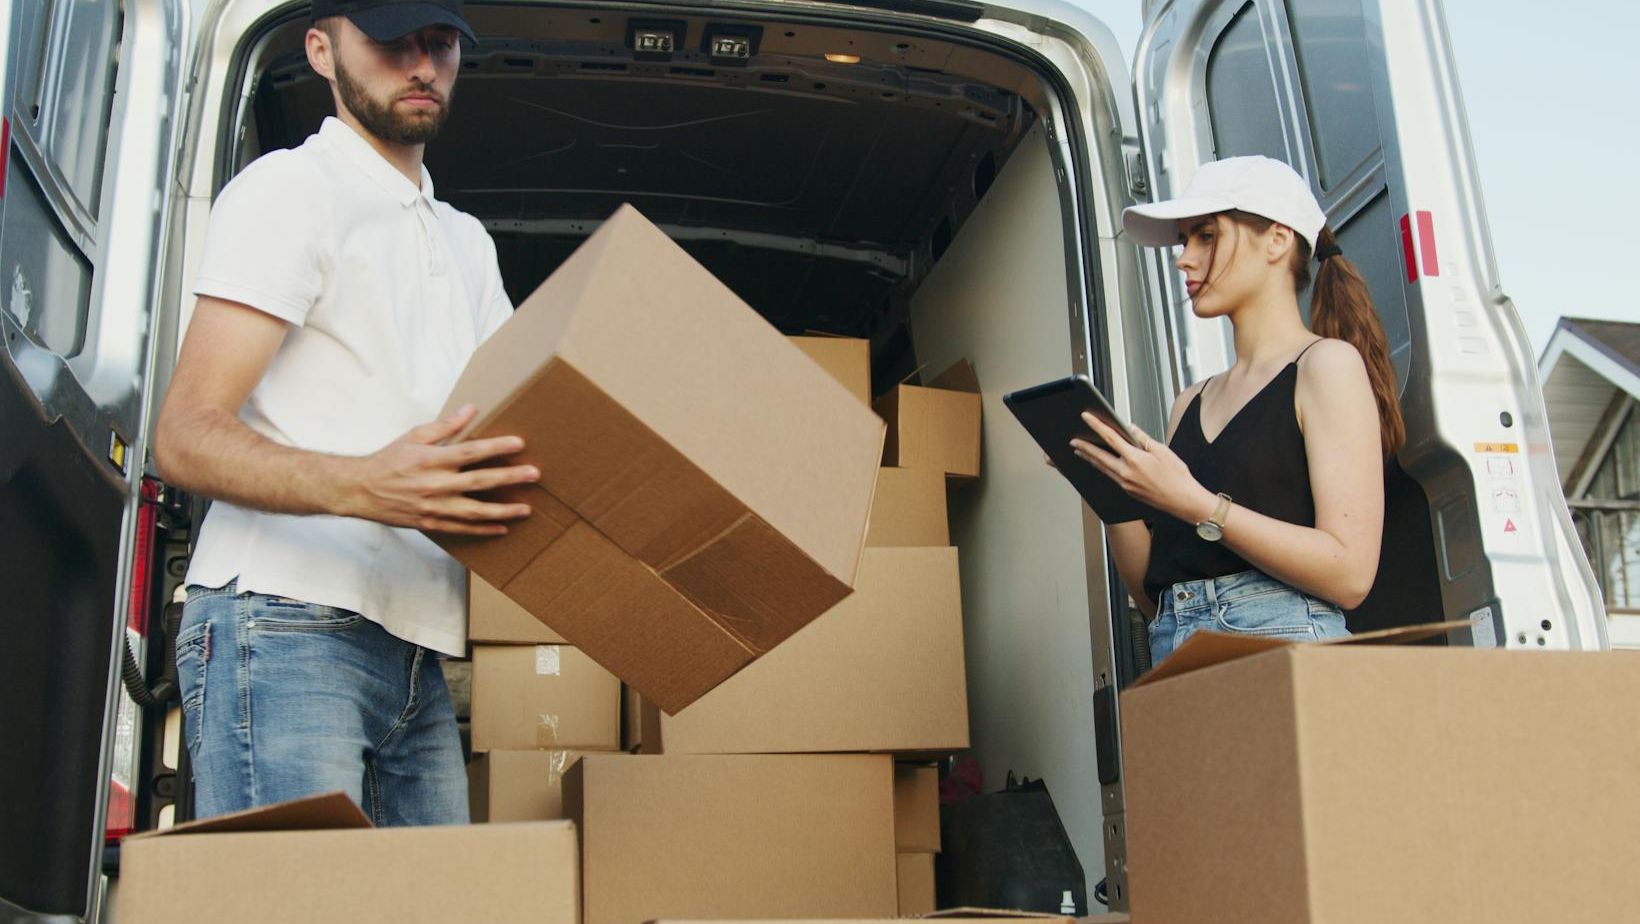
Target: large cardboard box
pixel 518 785
pixel 847 359
pixel 916 878
pixel 734 837
pixel 916 809
pixel 318 860
pixel 909 509
pixel 881 672
pixel 543 696
pixel 687 520
pixel 935 426
pixel 1359 782
pixel 494 619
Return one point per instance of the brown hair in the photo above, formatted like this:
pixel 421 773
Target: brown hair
pixel 1342 308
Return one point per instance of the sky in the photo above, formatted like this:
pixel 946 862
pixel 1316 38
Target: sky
pixel 1553 98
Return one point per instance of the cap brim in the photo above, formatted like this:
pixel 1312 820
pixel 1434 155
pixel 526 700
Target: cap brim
pixel 394 21
pixel 1157 224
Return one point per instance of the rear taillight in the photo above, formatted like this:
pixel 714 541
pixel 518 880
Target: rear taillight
pixel 122 805
pixel 142 564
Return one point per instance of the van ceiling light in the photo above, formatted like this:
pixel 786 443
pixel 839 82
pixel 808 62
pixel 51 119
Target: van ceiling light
pixel 652 40
pixel 843 59
pixel 730 46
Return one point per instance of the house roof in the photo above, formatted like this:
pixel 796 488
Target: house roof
pixel 1619 340
pixel 1587 367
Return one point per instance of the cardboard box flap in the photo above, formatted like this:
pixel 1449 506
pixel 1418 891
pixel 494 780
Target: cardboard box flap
pixel 1206 649
pixel 960 377
pixel 332 810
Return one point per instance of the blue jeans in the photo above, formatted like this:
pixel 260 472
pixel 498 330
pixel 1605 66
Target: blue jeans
pixel 283 699
pixel 1245 603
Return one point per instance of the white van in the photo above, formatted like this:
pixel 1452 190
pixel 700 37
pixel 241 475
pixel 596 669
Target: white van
pixel 942 176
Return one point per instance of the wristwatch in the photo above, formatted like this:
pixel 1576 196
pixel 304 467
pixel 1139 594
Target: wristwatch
pixel 1212 528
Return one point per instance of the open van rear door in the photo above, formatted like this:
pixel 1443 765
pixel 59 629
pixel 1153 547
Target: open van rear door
pixel 90 93
pixel 1360 96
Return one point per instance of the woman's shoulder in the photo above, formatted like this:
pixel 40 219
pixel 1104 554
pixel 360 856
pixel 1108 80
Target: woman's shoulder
pixel 1328 357
pixel 1330 368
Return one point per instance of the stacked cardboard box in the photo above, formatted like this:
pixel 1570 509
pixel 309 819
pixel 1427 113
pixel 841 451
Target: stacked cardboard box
pixel 916 835
pixel 537 706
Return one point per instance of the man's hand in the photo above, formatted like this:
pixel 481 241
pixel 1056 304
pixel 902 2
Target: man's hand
pixel 1150 472
pixel 417 482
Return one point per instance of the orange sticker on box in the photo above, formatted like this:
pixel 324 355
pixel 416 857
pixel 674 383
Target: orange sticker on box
pixel 1497 447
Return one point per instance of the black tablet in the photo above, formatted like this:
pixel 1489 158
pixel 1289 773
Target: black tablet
pixel 1052 414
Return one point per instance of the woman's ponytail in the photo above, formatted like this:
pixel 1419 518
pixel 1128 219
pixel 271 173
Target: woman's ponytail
pixel 1341 307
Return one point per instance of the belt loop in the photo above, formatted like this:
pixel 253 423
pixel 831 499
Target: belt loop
pixel 1210 590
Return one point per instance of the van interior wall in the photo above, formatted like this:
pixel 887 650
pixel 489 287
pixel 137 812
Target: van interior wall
pixel 999 297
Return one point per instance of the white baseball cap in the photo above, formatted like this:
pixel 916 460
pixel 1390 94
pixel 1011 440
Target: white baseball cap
pixel 1261 185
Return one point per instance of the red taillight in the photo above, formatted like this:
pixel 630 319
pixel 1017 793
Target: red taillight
pixel 122 806
pixel 142 563
pixel 5 153
pixel 122 812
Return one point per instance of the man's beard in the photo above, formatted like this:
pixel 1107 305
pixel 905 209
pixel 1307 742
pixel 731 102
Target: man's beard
pixel 385 121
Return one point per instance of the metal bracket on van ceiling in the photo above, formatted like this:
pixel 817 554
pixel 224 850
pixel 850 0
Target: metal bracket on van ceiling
pixel 894 264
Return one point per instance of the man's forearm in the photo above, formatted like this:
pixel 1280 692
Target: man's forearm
pixel 214 454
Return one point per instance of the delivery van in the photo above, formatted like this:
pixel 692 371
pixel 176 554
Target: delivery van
pixel 943 177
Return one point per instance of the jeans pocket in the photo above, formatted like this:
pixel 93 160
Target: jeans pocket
pixel 1277 615
pixel 282 614
pixel 193 653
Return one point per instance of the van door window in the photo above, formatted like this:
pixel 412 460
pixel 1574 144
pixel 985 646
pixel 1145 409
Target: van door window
pixel 1241 91
pixel 1342 137
pixel 59 117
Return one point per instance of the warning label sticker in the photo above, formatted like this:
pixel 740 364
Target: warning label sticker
pixel 1497 447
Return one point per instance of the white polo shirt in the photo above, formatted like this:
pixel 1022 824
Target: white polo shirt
pixel 387 291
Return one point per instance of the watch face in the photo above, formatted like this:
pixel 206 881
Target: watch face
pixel 1210 531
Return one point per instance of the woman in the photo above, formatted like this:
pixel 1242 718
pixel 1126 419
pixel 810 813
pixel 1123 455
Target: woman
pixel 1271 483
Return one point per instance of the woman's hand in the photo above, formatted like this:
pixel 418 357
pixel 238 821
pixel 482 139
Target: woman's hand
pixel 1149 472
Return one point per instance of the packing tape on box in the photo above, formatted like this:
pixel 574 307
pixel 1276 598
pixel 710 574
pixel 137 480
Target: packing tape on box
pixel 546 729
pixel 548 661
pixel 557 762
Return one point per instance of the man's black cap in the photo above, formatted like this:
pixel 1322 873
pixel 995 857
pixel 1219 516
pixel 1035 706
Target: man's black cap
pixel 389 20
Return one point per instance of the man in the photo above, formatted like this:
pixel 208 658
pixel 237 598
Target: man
pixel 338 301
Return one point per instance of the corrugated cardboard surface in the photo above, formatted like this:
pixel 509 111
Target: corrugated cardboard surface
pixel 934 427
pixel 847 359
pixel 909 509
pixel 883 671
pixel 492 618
pixel 1350 783
pixel 916 809
pixel 518 785
pixel 523 872
pixel 916 877
pixel 686 520
pixel 729 837
pixel 543 696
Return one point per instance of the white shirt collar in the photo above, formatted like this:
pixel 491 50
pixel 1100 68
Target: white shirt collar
pixel 355 148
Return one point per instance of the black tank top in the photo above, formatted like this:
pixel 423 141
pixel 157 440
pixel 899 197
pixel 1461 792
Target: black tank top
pixel 1258 459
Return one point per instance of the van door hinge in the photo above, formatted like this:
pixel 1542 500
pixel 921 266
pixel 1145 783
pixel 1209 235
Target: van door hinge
pixel 1137 184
